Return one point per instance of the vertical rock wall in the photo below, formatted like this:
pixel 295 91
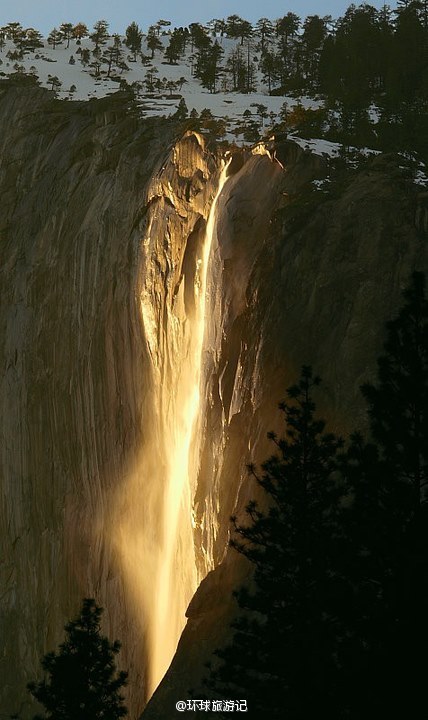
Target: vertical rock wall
pixel 77 199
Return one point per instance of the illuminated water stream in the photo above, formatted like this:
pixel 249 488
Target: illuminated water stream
pixel 154 532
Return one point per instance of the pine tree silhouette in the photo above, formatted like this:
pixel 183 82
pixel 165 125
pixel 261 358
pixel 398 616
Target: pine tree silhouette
pixel 81 682
pixel 398 403
pixel 282 655
pixel 389 522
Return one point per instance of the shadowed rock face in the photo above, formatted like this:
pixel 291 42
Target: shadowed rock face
pixel 98 211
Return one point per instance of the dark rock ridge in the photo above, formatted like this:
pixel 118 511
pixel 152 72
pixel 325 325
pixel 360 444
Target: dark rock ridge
pixel 98 210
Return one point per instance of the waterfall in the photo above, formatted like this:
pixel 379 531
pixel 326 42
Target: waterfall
pixel 154 529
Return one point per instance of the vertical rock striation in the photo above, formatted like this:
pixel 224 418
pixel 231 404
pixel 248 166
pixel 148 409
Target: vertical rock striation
pixel 95 208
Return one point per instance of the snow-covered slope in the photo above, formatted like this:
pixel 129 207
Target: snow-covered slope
pixel 79 82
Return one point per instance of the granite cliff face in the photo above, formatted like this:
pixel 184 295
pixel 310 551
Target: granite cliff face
pixel 77 200
pixel 102 274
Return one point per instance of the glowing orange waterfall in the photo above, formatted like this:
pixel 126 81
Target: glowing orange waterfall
pixel 168 616
pixel 154 531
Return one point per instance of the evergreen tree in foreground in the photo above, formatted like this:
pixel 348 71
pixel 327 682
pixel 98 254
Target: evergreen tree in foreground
pixel 282 656
pixel 398 403
pixel 388 478
pixel 335 623
pixel 81 681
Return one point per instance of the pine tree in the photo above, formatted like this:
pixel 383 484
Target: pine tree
pixel 199 36
pixel 20 40
pixel 100 34
pixel 182 110
pixel 174 49
pixel 398 403
pixel 81 682
pixel 133 38
pixel 268 66
pixel 33 39
pixel 54 82
pixel 113 54
pixel 408 62
pixel 287 27
pixel 233 24
pixel 262 111
pixel 245 30
pixel 85 57
pixel 314 33
pixel 237 68
pixel 171 85
pixel 13 30
pixel 80 31
pixel 208 65
pixel 180 82
pixel 288 58
pixel 66 30
pixel 389 521
pixel 152 41
pixel 150 78
pixel 54 38
pixel 250 69
pixel 264 29
pixel 368 560
pixel 282 656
